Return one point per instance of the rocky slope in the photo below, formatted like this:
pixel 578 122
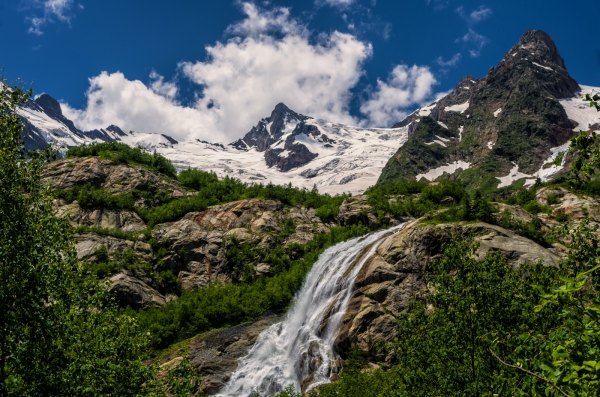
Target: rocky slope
pixel 193 249
pixel 494 131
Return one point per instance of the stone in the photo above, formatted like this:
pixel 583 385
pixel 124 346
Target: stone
pixel 356 210
pixel 130 291
pixel 262 269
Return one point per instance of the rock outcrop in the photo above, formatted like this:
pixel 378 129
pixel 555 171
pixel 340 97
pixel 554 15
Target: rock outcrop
pixel 356 210
pixel 386 283
pixel 197 244
pixel 114 178
pixel 127 221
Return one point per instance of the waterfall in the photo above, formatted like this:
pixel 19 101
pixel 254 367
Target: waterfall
pixel 300 349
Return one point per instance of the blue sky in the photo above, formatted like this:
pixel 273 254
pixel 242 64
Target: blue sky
pixel 210 69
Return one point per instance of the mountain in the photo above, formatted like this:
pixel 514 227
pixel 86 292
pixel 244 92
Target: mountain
pixel 286 147
pixel 494 131
pixel 491 132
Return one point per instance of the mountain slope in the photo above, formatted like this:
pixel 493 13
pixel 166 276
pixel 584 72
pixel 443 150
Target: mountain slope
pixel 286 147
pixel 507 126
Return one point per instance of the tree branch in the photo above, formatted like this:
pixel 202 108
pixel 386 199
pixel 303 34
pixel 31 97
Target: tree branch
pixel 531 374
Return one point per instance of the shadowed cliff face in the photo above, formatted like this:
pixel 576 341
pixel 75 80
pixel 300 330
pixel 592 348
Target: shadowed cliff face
pixel 512 117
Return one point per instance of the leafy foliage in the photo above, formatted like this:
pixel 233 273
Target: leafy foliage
pixel 58 336
pixel 125 154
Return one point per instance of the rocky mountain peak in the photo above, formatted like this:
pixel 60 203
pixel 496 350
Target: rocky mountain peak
pixel 49 104
pixel 509 122
pixel 538 44
pixel 270 130
pixel 536 58
pixel 115 129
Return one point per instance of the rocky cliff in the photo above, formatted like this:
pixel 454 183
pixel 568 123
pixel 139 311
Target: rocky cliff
pixel 494 131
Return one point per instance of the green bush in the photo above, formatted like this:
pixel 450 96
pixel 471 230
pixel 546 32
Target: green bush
pixel 125 154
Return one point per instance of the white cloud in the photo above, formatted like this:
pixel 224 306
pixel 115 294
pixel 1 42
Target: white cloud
pixel 480 14
pixel 450 62
pixel 51 11
pixel 405 87
pixel 335 3
pixel 271 58
pixel 478 41
pixel 112 99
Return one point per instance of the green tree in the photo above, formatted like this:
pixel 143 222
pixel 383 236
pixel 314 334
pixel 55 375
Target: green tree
pixel 443 343
pixel 60 333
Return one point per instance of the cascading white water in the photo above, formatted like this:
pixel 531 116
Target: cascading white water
pixel 289 352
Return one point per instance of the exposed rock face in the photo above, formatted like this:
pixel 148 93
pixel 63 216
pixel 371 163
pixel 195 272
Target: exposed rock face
pixel 134 292
pixel 115 178
pixel 575 208
pixel 269 130
pixel 87 245
pixel 356 210
pixel 512 117
pixel 197 244
pixel 216 355
pixel 291 153
pixel 386 283
pixel 128 221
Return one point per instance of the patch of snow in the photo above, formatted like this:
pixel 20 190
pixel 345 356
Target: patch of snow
pixel 426 111
pixel 490 145
pixel 515 54
pixel 464 87
pixel 546 173
pixel 513 176
pixel 460 131
pixel 442 124
pixel 435 173
pixel 461 108
pixel 284 154
pixel 580 111
pixel 473 81
pixel 497 112
pixel 542 66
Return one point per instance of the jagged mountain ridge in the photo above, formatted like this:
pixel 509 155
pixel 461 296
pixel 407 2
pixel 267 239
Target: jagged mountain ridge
pixel 508 126
pixel 286 147
pixel 495 130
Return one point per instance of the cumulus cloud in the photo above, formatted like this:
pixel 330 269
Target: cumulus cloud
pixel 51 11
pixel 476 40
pixel 113 99
pixel 269 58
pixel 480 14
pixel 405 87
